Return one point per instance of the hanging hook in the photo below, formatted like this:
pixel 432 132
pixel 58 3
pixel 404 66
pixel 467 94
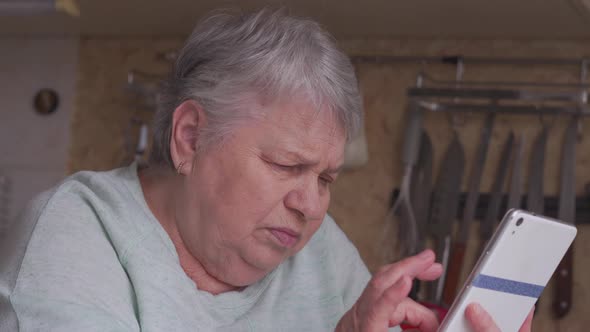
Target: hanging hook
pixel 545 124
pixel 455 120
pixel 422 71
pixel 131 77
pixel 583 75
pixel 583 95
pixel 420 79
pixel 541 119
pixel 460 70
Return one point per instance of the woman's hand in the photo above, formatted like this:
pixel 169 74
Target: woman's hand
pixel 384 302
pixel 481 321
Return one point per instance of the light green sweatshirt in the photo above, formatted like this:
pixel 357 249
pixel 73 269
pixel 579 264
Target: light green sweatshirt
pixel 90 256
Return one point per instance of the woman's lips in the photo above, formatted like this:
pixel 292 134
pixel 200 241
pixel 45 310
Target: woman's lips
pixel 286 237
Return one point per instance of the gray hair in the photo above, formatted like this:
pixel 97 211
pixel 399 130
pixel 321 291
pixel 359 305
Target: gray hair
pixel 230 60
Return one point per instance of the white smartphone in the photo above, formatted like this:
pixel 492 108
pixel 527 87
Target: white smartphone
pixel 513 270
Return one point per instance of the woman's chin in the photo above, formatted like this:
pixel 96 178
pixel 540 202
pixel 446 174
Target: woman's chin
pixel 251 272
pixel 245 278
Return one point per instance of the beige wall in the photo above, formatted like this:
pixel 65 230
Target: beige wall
pixel 360 198
pixel 33 147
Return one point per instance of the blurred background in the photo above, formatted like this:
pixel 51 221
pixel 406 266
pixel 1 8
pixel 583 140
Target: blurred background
pixel 78 86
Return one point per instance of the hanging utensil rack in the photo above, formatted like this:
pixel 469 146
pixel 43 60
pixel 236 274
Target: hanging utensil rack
pixel 517 97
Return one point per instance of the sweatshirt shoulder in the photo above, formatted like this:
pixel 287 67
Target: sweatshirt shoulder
pixel 94 190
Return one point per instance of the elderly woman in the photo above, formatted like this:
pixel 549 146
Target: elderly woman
pixel 226 229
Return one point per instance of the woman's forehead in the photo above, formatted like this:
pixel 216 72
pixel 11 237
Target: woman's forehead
pixel 302 115
pixel 296 131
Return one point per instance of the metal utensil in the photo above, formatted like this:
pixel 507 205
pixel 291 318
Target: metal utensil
pixel 420 197
pixel 535 200
pixel 458 247
pixel 562 300
pixel 488 224
pixel 515 188
pixel 493 94
pixel 445 203
pixel 535 193
pixel 421 189
pixel 410 153
pixel 4 202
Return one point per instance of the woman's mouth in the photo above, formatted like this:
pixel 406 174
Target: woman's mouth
pixel 285 236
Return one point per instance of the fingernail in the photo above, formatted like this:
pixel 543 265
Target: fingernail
pixel 476 308
pixel 425 254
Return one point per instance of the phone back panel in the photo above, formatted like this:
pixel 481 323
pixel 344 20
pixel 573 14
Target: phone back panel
pixel 512 272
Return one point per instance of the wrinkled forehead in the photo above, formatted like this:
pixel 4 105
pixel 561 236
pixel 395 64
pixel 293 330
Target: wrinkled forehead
pixel 299 107
pixel 303 125
pixel 297 114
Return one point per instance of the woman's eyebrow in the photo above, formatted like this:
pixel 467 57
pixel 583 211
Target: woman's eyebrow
pixel 301 159
pixel 298 157
pixel 334 170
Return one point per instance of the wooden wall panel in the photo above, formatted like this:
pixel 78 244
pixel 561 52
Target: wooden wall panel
pixel 104 104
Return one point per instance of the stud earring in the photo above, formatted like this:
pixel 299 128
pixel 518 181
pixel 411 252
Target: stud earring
pixel 179 167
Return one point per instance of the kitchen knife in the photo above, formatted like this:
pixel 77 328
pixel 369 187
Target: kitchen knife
pixel 420 199
pixel 562 300
pixel 515 188
pixel 491 218
pixel 535 192
pixel 410 154
pixel 445 203
pixel 453 270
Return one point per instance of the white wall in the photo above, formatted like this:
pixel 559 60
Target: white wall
pixel 34 147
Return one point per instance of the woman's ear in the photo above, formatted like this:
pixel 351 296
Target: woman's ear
pixel 187 121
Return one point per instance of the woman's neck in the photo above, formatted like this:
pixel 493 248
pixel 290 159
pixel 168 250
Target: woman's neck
pixel 159 189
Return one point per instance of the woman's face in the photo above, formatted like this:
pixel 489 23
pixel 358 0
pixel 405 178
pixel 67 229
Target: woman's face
pixel 258 198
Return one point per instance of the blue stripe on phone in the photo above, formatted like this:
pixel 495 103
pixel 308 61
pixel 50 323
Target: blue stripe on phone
pixel 507 286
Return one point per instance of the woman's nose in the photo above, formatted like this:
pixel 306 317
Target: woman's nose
pixel 307 200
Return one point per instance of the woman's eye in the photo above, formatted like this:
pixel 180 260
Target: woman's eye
pixel 326 181
pixel 286 167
